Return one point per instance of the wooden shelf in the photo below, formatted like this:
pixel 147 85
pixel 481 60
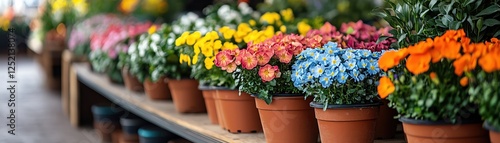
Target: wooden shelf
pixel 195 127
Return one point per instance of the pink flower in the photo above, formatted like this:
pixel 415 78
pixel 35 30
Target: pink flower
pixel 263 57
pixel 248 61
pixel 230 68
pixel 223 58
pixel 268 72
pixel 284 56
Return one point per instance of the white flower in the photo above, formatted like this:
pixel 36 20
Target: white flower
pixel 199 23
pixel 245 9
pixel 191 16
pixel 170 41
pixel 155 37
pixel 223 10
pixel 132 48
pixel 203 30
pixel 176 29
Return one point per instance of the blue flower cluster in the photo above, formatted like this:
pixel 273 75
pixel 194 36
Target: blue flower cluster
pixel 331 64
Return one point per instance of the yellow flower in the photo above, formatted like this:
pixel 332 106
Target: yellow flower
pixel 152 29
pixel 287 14
pixel 228 34
pixel 208 49
pixel 212 35
pixel 224 29
pixel 244 27
pixel 195 59
pixel 270 17
pixel 59 5
pixel 217 45
pixel 252 22
pixel 4 23
pixel 303 28
pixel 209 62
pixel 155 6
pixel 191 39
pixel 283 28
pixel 269 31
pixel 182 39
pixel 196 48
pixel 127 6
pixel 229 46
pixel 183 58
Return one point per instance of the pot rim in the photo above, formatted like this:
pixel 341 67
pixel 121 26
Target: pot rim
pixel 439 122
pixel 487 126
pixel 318 105
pixel 210 87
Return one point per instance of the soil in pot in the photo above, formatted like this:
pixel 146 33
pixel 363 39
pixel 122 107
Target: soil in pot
pixel 158 90
pixel 239 112
pixel 386 123
pixel 186 96
pixel 419 131
pixel 288 119
pixel 208 95
pixel 347 123
pixel 131 82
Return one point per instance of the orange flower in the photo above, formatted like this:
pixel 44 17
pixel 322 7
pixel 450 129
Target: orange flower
pixel 385 87
pixel 466 45
pixel 418 63
pixel 464 64
pixel 452 50
pixel 488 62
pixel 464 81
pixel 433 75
pixel 391 58
pixel 421 47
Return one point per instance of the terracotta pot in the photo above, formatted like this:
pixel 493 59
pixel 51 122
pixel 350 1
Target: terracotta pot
pixel 158 90
pixel 131 82
pixel 218 106
pixel 421 131
pixel 186 96
pixel 288 119
pixel 494 133
pixel 346 123
pixel 208 95
pixel 239 111
pixel 386 123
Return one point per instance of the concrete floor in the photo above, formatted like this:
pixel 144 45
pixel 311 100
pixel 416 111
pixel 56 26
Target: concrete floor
pixel 38 113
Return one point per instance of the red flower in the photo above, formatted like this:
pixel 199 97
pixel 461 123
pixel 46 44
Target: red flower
pixel 223 58
pixel 268 72
pixel 263 57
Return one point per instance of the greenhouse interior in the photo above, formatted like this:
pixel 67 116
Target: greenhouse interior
pixel 250 71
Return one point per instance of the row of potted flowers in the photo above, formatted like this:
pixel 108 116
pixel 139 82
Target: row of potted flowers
pixel 268 78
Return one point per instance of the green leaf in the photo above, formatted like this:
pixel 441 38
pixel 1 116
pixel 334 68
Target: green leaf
pixel 491 22
pixel 489 10
pixel 382 38
pixel 494 101
pixel 432 3
pixel 497 34
pixel 479 24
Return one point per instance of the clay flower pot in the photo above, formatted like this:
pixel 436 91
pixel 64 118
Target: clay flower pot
pixel 386 123
pixel 218 106
pixel 494 133
pixel 420 131
pixel 186 96
pixel 131 82
pixel 158 90
pixel 238 111
pixel 288 119
pixel 208 95
pixel 346 123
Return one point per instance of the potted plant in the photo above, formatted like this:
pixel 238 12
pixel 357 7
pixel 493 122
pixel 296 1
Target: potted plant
pixel 263 70
pixel 342 82
pixel 425 83
pixel 151 61
pixel 484 85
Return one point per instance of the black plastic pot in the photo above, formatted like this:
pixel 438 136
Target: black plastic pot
pixel 106 112
pixel 153 134
pixel 131 124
